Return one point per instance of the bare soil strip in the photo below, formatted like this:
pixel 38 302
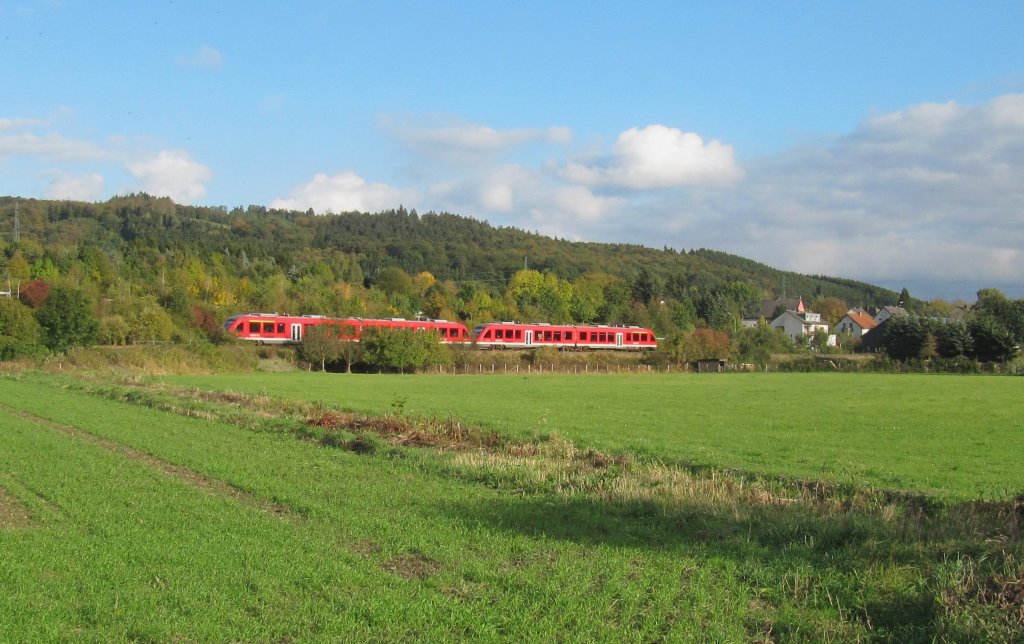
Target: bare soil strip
pixel 191 477
pixel 13 515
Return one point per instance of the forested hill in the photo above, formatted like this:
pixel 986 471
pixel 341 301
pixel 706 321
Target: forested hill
pixel 262 259
pixel 451 247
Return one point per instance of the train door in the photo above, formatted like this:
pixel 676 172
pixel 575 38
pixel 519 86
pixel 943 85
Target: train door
pixel 296 332
pixel 529 338
pixel 618 339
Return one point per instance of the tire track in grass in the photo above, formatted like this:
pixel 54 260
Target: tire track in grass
pixel 13 513
pixel 189 476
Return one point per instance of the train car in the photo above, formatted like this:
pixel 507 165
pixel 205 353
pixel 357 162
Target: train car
pixel 517 335
pixel 449 332
pixel 275 328
pixel 272 328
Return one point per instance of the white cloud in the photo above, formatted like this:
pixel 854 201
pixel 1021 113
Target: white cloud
pixel 344 192
pixel 933 194
pixel 467 143
pixel 51 147
pixel 17 124
pixel 581 205
pixel 86 187
pixel 172 173
pixel 502 189
pixel 203 57
pixel 658 156
pixel 77 167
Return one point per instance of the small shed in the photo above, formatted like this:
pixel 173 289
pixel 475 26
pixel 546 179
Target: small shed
pixel 710 365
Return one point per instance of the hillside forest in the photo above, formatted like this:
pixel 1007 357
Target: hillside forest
pixel 139 269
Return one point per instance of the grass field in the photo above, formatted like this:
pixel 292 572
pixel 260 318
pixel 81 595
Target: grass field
pixel 134 512
pixel 952 436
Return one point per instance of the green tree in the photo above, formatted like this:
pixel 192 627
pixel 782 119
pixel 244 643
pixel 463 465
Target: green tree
pixel 992 341
pixel 1005 312
pixel 320 343
pixel 393 280
pixel 350 352
pixel 904 298
pixel 113 330
pixel 396 349
pixel 17 321
pixel 953 339
pixel 66 320
pixel 703 344
pixel 757 344
pixel 904 337
pixel 646 287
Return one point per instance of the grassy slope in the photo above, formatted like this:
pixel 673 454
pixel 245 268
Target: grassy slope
pixel 953 436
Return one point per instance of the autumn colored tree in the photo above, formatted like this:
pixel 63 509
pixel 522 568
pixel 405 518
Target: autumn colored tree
pixel 33 293
pixel 832 309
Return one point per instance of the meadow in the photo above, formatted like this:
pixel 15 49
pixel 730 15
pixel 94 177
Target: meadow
pixel 951 436
pixel 137 510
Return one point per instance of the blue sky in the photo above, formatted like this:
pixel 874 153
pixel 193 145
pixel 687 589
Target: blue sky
pixel 876 141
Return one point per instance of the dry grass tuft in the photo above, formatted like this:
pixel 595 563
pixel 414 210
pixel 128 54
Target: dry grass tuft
pixel 411 565
pixel 13 515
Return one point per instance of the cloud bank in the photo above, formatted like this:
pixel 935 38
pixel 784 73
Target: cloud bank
pixel 658 156
pixel 929 197
pixel 76 168
pixel 343 192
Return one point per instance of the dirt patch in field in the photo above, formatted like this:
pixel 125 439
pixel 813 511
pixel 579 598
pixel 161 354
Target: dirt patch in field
pixel 367 547
pixel 13 515
pixel 411 565
pixel 192 477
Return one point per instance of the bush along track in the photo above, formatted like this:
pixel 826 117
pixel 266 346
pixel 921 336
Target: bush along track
pixel 892 565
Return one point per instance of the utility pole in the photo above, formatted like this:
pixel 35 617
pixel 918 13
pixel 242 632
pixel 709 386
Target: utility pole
pixel 17 224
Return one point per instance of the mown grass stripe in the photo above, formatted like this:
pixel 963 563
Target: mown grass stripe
pixel 193 478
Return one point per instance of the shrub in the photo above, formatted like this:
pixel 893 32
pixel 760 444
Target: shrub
pixel 66 320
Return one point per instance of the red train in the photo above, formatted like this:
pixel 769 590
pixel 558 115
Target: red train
pixel 515 335
pixel 272 328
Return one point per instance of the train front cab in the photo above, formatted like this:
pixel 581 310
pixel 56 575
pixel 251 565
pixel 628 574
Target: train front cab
pixel 498 335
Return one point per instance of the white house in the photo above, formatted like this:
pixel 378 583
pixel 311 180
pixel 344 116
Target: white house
pixel 800 325
pixel 889 312
pixel 855 323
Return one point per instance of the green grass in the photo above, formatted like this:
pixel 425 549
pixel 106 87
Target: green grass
pixel 149 525
pixel 951 436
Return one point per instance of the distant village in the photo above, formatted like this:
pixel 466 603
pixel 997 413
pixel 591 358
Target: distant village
pixel 791 317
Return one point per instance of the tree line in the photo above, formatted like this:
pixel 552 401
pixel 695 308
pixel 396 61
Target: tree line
pixel 143 269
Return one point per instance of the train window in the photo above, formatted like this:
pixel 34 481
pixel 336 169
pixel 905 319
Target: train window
pixel 602 337
pixel 568 336
pixel 519 334
pixel 254 327
pixel 268 327
pixel 558 336
pixel 499 334
pixel 280 327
